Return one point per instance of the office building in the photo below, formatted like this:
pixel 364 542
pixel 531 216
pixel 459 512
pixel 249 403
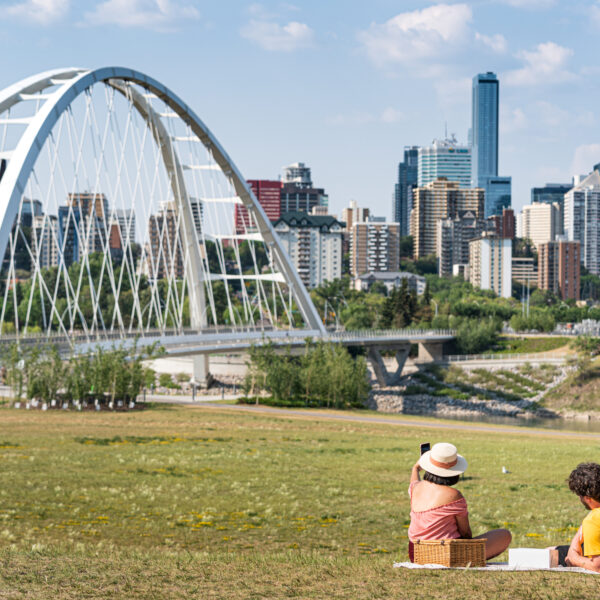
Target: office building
pixel 582 220
pixel 439 199
pixel 165 255
pixel 314 244
pixel 452 240
pixel 268 194
pixel 490 264
pixel 45 240
pixel 550 193
pixel 297 191
pixel 539 223
pixel 29 210
pixel 297 174
pixel 444 158
pixel 484 144
pixel 484 126
pixel 374 247
pixel 560 268
pixel 524 270
pixel 408 172
pixel 497 192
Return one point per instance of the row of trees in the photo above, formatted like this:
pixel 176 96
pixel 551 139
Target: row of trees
pixel 40 373
pixel 323 375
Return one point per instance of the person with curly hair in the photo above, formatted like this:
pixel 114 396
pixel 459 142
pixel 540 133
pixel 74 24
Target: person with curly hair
pixel 584 551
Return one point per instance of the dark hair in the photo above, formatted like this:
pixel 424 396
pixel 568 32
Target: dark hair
pixel 585 480
pixel 427 476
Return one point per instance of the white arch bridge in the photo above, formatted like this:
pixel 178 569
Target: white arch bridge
pixel 122 217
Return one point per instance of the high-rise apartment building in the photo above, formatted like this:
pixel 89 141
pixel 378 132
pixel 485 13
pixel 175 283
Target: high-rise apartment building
pixel 45 240
pixel 268 194
pixel 582 220
pixel 125 218
pixel 452 240
pixel 484 127
pixel 559 264
pixel 408 174
pixel 83 225
pixel 298 174
pixel 504 224
pixel 552 193
pixel 374 247
pixel 354 214
pixel 490 264
pixel 439 199
pixel 314 244
pixel 444 158
pixel 540 222
pixel 165 257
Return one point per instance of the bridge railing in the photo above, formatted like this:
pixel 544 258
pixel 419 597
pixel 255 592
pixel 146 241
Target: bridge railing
pixel 391 333
pixel 520 357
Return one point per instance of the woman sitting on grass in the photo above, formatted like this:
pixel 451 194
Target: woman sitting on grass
pixel 438 511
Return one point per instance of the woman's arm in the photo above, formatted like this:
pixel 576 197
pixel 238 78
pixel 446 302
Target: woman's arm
pixel 462 521
pixel 414 476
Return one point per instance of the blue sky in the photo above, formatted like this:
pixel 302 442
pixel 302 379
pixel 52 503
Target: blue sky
pixel 343 86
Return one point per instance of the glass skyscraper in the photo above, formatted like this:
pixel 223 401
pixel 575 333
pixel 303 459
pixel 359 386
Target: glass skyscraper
pixel 407 181
pixel 484 126
pixel 484 144
pixel 445 158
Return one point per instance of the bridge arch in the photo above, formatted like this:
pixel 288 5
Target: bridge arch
pixel 141 91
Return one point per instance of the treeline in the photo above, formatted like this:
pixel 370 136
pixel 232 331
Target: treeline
pixel 104 376
pixel 323 375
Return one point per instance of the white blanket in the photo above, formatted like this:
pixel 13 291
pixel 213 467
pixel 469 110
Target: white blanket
pixel 497 566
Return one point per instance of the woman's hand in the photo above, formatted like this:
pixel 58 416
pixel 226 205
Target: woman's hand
pixel 414 476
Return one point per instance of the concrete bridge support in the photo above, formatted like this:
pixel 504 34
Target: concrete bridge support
pixel 430 351
pixel 384 377
pixel 201 370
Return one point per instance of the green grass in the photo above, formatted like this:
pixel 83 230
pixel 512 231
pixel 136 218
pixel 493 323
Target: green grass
pixel 214 503
pixel 528 345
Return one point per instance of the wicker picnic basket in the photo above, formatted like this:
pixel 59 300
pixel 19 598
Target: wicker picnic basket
pixel 450 553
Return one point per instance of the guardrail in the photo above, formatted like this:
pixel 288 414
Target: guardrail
pixel 525 357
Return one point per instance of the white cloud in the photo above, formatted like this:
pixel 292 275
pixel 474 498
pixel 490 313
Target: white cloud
pixel 496 42
pixel 546 64
pixel 530 3
pixel 39 11
pixel 421 34
pixel 391 115
pixel 584 158
pixel 512 119
pixel 153 14
pixel 278 38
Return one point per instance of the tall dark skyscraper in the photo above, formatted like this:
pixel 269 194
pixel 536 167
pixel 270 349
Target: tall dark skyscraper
pixel 407 180
pixel 484 126
pixel 484 140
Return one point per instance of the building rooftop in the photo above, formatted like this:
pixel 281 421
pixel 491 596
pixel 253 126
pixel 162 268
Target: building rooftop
pixel 302 219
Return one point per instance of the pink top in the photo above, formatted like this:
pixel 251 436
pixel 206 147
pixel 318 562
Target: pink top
pixel 436 523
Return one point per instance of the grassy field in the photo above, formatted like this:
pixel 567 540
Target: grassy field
pixel 528 345
pixel 215 503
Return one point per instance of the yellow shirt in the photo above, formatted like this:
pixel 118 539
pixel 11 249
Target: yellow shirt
pixel 590 529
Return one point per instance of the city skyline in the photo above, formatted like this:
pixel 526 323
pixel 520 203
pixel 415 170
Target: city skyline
pixel 382 78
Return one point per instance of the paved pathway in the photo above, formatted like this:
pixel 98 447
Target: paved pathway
pixel 393 420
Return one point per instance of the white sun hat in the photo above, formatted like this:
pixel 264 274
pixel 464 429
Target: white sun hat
pixel 443 460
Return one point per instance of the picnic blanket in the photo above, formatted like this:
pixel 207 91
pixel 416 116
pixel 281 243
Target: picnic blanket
pixel 495 566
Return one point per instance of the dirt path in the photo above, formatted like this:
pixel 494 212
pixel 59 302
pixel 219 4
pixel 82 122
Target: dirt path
pixel 393 420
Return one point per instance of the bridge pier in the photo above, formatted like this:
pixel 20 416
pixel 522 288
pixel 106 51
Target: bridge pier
pixel 384 377
pixel 430 351
pixel 201 370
